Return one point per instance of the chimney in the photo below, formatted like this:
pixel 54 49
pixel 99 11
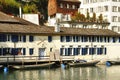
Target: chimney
pixel 57 27
pixel 20 12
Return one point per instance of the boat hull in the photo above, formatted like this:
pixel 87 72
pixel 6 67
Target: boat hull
pixel 36 66
pixel 112 63
pixel 83 64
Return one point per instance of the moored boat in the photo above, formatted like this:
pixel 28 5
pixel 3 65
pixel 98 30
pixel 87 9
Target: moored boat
pixel 83 64
pixel 35 66
pixel 113 62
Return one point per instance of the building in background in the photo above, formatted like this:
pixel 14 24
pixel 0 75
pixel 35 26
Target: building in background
pixel 61 10
pixel 109 8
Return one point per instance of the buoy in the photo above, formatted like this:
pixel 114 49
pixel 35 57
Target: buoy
pixel 63 66
pixel 5 69
pixel 108 63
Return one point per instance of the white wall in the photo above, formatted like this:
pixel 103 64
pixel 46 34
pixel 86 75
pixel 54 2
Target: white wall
pixel 33 18
pixel 107 14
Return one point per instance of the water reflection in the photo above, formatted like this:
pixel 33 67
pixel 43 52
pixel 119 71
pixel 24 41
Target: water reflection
pixel 84 73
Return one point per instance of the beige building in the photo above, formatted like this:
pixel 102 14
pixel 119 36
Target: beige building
pixel 19 37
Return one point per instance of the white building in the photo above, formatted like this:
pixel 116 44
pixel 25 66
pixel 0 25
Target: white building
pixel 19 37
pixel 61 10
pixel 109 8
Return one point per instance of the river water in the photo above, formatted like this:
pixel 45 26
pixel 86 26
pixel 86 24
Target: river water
pixel 79 73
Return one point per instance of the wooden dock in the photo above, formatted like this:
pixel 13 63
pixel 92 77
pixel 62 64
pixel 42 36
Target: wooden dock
pixel 29 60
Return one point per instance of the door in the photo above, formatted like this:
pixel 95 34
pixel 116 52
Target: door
pixel 41 53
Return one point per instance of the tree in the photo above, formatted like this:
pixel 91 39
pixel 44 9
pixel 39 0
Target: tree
pixel 77 16
pixel 101 18
pixel 94 17
pixel 30 8
pixel 9 6
pixel 88 15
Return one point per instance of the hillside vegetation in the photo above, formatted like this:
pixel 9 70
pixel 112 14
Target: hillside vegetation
pixel 28 6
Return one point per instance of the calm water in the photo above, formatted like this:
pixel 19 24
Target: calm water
pixel 86 73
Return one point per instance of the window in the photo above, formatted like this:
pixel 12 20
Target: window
pixel 119 39
pixel 61 5
pixel 84 51
pixel 61 51
pixel 91 51
pixel 91 9
pixel 118 9
pixel 66 52
pixel 67 38
pixel 114 39
pixel 20 38
pixel 114 18
pixel 68 6
pixel 14 38
pixel 84 38
pixel 99 51
pixel 73 6
pixel 114 0
pixel 31 38
pixel 114 28
pixel 118 19
pixel 3 38
pixel 49 38
pixel 8 37
pixel 24 38
pixel 62 38
pixel 118 28
pixel 105 51
pixel 24 51
pixel 31 51
pixel 114 8
pixel 105 8
pixel 70 50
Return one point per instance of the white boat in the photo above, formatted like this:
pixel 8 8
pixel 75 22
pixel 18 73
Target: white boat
pixel 35 66
pixel 83 64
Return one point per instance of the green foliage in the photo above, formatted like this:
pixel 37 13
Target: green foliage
pixel 10 3
pixel 94 17
pixel 9 6
pixel 78 17
pixel 88 15
pixel 30 8
pixel 101 18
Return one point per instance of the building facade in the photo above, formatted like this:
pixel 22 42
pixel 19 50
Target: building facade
pixel 61 10
pixel 19 37
pixel 109 8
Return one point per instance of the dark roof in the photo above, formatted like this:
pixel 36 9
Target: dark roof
pixel 7 18
pixel 21 26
